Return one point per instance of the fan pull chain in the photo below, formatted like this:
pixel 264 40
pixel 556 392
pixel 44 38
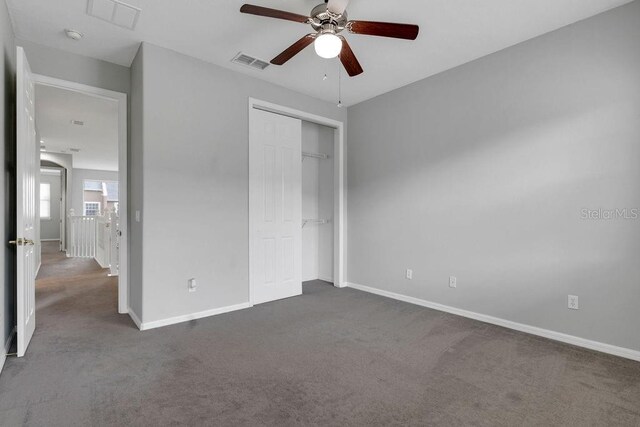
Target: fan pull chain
pixel 339 86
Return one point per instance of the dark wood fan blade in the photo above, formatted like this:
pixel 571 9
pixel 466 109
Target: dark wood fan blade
pixel 293 50
pixel 273 13
pixel 349 60
pixel 384 29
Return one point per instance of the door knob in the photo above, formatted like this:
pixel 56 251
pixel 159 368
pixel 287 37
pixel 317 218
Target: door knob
pixel 21 242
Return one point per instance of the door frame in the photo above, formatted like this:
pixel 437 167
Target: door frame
pixel 123 171
pixel 339 169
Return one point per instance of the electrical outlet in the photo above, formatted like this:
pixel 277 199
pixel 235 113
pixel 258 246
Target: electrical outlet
pixel 409 274
pixel 453 282
pixel 573 303
pixel 191 285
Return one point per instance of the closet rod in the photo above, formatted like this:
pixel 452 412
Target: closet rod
pixel 314 155
pixel 315 221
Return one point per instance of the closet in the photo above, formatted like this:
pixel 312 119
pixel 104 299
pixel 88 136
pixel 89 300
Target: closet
pixel 317 202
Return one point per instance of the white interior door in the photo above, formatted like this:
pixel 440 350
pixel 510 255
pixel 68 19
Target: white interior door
pixel 275 207
pixel 26 169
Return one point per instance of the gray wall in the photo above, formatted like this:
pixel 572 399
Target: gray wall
pixel 317 203
pixel 50 228
pixel 195 176
pixel 76 68
pixel 482 172
pixel 77 185
pixel 7 183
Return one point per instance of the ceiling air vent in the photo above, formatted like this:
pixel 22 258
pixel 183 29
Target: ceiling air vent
pixel 77 122
pixel 250 61
pixel 115 12
pixel 74 150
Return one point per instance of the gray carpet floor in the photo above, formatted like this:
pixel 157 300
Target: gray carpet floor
pixel 329 357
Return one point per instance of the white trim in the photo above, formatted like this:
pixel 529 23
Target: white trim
pixel 326 279
pixel 49 240
pixel 135 318
pixel 123 171
pixel 7 347
pixel 193 316
pixel 339 167
pixel 627 353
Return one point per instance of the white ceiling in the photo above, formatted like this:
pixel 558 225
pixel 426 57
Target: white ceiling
pixel 453 32
pixel 97 139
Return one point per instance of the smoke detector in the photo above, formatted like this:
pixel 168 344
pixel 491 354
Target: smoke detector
pixel 73 34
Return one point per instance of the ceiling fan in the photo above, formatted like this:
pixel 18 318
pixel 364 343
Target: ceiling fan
pixel 328 20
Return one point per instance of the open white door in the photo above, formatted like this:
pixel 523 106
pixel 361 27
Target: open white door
pixel 26 168
pixel 275 208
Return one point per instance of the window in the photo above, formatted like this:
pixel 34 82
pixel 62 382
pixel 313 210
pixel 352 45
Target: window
pixel 45 200
pixel 91 208
pixel 90 185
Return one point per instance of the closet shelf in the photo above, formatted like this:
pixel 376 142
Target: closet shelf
pixel 315 221
pixel 306 154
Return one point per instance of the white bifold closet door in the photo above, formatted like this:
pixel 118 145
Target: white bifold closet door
pixel 275 206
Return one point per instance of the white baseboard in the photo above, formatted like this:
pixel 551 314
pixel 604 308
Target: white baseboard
pixel 100 264
pixel 6 348
pixel 135 318
pixel 187 317
pixel 326 279
pixel 627 353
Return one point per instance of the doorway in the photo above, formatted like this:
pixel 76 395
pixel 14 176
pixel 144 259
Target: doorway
pixel 52 204
pixel 68 133
pixel 276 220
pixel 97 167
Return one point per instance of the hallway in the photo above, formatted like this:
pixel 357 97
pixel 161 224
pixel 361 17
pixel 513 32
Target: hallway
pixel 72 287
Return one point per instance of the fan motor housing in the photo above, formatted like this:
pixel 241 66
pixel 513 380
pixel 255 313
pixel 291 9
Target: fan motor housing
pixel 321 18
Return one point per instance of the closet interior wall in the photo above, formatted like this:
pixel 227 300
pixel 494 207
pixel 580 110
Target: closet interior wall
pixel 317 202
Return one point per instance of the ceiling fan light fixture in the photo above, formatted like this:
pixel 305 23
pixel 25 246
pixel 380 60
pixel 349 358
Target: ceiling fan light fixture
pixel 328 19
pixel 328 45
